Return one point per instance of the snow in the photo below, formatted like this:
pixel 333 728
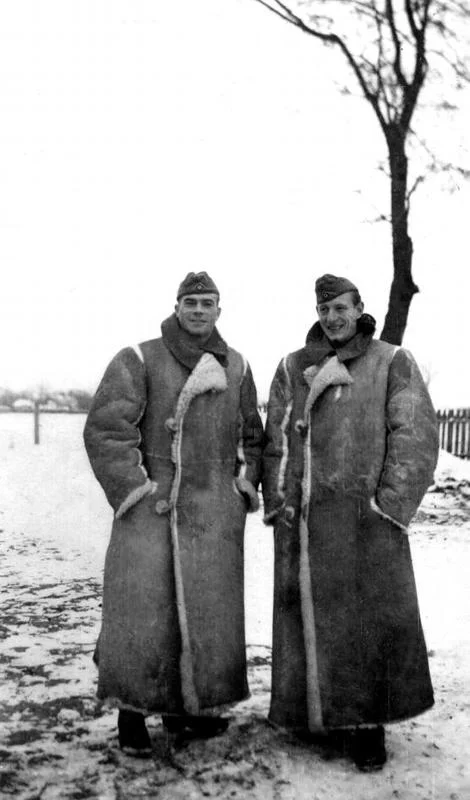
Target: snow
pixel 451 468
pixel 57 741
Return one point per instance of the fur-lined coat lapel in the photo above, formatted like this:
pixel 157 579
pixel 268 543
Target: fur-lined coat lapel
pixel 319 378
pixel 207 376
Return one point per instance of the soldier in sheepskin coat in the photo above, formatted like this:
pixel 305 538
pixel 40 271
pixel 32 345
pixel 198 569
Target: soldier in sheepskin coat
pixel 174 438
pixel 351 448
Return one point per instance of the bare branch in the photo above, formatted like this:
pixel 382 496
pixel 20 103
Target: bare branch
pixel 334 39
pixel 419 180
pixel 419 75
pixel 409 8
pixel 380 218
pixel 286 17
pixel 378 68
pixel 396 41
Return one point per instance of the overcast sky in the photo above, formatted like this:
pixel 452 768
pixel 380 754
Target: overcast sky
pixel 142 140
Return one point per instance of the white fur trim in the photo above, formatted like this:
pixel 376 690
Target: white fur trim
pixel 314 709
pixel 310 373
pixel 247 490
pixel 188 686
pixel 149 487
pixel 285 452
pixel 208 375
pixel 284 438
pixel 382 514
pixel 360 725
pixel 116 702
pixel 241 460
pixel 332 373
pixel 138 351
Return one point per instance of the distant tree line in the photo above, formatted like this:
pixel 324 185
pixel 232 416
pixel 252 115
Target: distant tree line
pixel 71 400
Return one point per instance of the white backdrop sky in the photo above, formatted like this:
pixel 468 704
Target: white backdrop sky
pixel 142 139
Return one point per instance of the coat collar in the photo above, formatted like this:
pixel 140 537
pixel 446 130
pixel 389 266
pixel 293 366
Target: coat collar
pixel 185 348
pixel 318 347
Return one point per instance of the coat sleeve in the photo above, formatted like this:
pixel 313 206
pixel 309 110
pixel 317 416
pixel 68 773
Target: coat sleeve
pixel 276 451
pixel 251 441
pixel 112 434
pixel 412 445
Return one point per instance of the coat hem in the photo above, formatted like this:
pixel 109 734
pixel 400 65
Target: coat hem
pixel 352 726
pixel 208 711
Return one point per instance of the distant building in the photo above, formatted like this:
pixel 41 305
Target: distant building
pixel 49 405
pixel 23 404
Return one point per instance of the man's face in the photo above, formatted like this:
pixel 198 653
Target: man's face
pixel 338 317
pixel 198 313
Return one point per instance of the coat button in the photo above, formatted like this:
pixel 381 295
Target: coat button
pixel 301 428
pixel 162 507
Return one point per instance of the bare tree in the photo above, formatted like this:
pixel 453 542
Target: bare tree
pixel 392 48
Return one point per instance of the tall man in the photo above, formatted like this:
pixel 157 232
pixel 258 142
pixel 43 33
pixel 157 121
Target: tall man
pixel 351 448
pixel 174 438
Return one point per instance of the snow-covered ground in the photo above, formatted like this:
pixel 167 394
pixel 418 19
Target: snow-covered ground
pixel 58 742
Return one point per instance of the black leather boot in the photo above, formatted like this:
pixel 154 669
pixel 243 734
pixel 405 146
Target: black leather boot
pixel 134 739
pixel 368 748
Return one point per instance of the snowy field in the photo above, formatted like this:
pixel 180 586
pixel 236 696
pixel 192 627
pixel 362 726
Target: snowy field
pixel 57 741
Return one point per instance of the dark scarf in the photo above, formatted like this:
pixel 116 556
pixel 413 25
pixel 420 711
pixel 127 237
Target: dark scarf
pixel 318 346
pixel 186 349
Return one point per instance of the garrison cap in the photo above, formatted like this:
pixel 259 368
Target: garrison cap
pixel 330 286
pixel 197 283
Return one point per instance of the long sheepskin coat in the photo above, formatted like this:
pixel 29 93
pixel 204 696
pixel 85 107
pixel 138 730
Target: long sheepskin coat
pixel 351 448
pixel 174 446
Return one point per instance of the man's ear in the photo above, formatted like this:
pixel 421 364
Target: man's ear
pixel 360 308
pixel 218 311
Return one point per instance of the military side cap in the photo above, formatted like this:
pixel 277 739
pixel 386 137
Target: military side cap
pixel 197 283
pixel 330 286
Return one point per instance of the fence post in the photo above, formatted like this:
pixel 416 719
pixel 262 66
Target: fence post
pixel 36 420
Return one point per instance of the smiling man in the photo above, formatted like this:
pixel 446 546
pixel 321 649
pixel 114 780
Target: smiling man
pixel 351 448
pixel 174 438
pixel 197 314
pixel 339 316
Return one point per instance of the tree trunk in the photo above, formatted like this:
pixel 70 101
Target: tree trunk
pixel 403 287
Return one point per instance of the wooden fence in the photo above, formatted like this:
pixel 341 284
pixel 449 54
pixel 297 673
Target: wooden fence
pixel 454 431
